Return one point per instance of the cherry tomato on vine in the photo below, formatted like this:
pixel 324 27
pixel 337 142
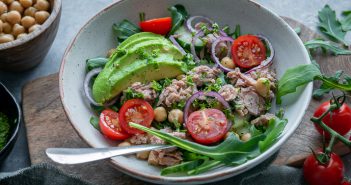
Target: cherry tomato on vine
pixel 330 173
pixel 248 51
pixel 110 125
pixel 339 120
pixel 138 111
pixel 159 26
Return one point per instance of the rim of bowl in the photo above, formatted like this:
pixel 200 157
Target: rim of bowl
pixel 201 178
pixel 53 15
pixel 19 117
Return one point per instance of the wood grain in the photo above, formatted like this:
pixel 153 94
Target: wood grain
pixel 48 126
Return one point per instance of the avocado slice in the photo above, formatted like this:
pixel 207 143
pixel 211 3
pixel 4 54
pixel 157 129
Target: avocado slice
pixel 106 87
pixel 145 57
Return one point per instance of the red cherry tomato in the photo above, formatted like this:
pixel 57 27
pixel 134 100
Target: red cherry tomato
pixel 339 120
pixel 207 126
pixel 110 126
pixel 159 26
pixel 345 183
pixel 138 111
pixel 248 51
pixel 319 174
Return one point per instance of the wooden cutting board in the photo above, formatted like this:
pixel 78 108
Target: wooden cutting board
pixel 48 126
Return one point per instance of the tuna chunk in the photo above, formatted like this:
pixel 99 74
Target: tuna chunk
pixel 228 92
pixel 139 139
pixel 204 74
pixel 165 158
pixel 263 119
pixel 176 92
pixel 148 92
pixel 250 100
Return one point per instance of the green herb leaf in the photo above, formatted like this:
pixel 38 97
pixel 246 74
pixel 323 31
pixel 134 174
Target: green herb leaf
pixel 96 63
pixel 207 165
pixel 295 77
pixel 297 30
pixel 275 128
pixel 94 121
pixel 156 86
pixel 330 25
pixel 125 29
pixel 4 129
pixel 324 89
pixel 346 21
pixel 317 43
pixel 333 82
pixel 179 15
pixel 131 94
pixel 181 168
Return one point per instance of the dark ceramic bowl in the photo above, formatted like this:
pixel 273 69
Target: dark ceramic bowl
pixel 10 107
pixel 27 52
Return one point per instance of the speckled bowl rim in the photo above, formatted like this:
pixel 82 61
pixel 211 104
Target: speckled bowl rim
pixel 215 176
pixel 53 15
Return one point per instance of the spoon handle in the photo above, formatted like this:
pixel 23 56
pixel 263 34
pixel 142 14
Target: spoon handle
pixel 82 155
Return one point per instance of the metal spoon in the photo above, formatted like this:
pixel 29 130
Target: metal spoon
pixel 82 155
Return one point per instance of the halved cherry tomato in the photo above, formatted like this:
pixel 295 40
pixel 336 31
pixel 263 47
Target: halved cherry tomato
pixel 248 51
pixel 159 26
pixel 110 126
pixel 323 174
pixel 339 120
pixel 207 126
pixel 138 111
pixel 345 183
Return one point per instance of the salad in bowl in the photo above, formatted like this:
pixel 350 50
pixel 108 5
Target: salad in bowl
pixel 186 81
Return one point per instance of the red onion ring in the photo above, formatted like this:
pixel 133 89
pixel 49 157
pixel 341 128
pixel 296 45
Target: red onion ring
pixel 213 52
pixel 198 95
pixel 172 39
pixel 87 89
pixel 269 61
pixel 192 45
pixel 189 22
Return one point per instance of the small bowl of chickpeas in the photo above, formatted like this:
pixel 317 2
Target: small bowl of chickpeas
pixel 27 31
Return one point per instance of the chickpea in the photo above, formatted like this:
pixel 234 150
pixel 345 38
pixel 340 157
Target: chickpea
pixel 13 17
pixel 41 16
pixel 228 63
pixel 33 28
pixel 18 29
pixel 175 115
pixel 16 6
pixel 3 7
pixel 124 143
pixel 6 38
pixel 30 11
pixel 143 155
pixel 26 3
pixel 42 5
pixel 3 17
pixel 245 137
pixel 27 21
pixel 263 86
pixel 21 35
pixel 110 52
pixel 180 77
pixel 160 114
pixel 6 28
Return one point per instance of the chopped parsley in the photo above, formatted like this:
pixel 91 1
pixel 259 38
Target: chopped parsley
pixel 4 129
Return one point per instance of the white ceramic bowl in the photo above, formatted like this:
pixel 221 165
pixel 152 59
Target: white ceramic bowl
pixel 96 37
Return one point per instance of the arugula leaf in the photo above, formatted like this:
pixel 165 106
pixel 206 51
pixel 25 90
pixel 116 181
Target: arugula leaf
pixel 324 89
pixel 96 63
pixel 317 43
pixel 4 129
pixel 330 25
pixel 156 86
pixel 207 165
pixel 346 21
pixel 295 77
pixel 131 94
pixel 303 74
pixel 125 29
pixel 179 15
pixel 181 168
pixel 237 31
pixel 94 121
pixel 275 128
